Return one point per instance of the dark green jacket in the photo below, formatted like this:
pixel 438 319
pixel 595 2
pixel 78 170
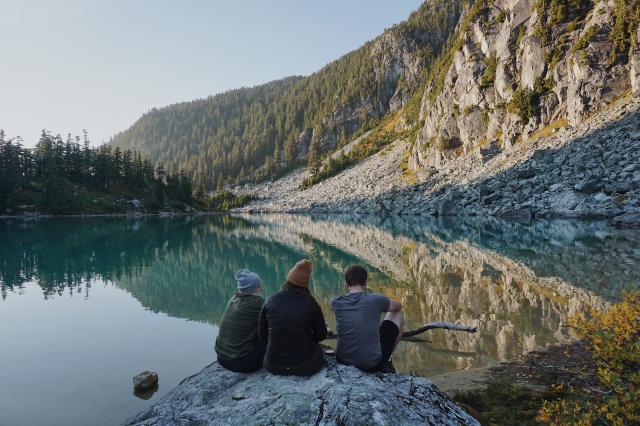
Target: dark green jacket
pixel 238 333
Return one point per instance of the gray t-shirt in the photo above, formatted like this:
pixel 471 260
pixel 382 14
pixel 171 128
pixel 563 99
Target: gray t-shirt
pixel 357 325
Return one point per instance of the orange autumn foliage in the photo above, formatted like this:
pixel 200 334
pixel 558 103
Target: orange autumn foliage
pixel 613 338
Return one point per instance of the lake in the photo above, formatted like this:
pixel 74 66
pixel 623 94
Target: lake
pixel 86 303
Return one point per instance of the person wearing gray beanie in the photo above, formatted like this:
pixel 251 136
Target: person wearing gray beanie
pixel 238 347
pixel 248 282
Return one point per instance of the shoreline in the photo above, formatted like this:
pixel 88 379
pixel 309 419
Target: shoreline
pixel 623 221
pixel 126 215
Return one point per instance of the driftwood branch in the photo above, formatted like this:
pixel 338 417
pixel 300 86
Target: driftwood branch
pixel 443 325
pixel 430 326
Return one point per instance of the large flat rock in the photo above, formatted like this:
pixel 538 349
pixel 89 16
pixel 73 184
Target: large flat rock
pixel 338 394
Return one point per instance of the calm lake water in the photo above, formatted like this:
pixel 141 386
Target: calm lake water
pixel 88 303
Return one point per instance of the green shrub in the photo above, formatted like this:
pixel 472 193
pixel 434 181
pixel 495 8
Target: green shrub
pixel 523 104
pixel 469 110
pixel 447 144
pixel 553 56
pixel 489 76
pixel 227 200
pixel 627 20
pixel 585 39
pixel 526 102
pixel 573 25
pixel 555 12
pixel 485 118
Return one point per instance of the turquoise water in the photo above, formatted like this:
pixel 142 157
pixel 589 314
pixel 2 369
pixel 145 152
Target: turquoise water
pixel 88 303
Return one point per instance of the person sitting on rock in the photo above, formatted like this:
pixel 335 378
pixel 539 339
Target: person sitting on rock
pixel 238 347
pixel 292 323
pixel 361 342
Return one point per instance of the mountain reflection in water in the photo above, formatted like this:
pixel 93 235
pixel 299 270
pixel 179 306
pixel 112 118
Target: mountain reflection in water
pixel 518 283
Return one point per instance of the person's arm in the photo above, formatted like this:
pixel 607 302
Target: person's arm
pixel 318 325
pixel 394 306
pixel 263 325
pixel 385 304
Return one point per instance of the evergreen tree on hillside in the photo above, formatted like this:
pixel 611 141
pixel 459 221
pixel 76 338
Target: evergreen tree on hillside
pixel 313 163
pixel 199 191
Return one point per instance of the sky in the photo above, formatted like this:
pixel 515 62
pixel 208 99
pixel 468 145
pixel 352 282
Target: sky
pixel 68 65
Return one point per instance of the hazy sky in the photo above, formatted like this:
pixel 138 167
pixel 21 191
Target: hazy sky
pixel 68 65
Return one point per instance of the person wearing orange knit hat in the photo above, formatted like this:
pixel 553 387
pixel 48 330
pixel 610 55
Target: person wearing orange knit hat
pixel 292 324
pixel 300 274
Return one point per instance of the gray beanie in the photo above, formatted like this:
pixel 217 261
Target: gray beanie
pixel 247 281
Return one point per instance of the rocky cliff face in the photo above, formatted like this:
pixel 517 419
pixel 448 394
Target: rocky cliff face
pixel 337 395
pixel 396 61
pixel 518 67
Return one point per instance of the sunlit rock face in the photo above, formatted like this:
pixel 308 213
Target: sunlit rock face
pixel 510 47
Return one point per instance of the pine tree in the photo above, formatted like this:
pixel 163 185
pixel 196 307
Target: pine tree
pixel 313 163
pixel 199 190
pixel 220 183
pixel 290 151
pixel 127 167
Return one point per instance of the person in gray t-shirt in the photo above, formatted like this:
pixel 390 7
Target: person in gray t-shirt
pixel 362 340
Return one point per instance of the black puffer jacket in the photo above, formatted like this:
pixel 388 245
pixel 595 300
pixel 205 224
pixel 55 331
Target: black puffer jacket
pixel 294 324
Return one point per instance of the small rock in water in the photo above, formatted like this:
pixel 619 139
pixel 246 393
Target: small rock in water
pixel 145 381
pixel 147 394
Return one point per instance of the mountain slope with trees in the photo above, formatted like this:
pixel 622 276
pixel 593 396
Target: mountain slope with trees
pixel 251 134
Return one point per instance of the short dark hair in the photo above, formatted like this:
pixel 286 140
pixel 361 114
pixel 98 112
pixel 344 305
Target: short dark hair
pixel 355 275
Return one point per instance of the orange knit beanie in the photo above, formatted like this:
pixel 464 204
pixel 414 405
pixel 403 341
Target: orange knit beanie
pixel 300 274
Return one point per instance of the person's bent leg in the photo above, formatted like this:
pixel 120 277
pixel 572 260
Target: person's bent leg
pixel 248 364
pixel 398 319
pixel 391 331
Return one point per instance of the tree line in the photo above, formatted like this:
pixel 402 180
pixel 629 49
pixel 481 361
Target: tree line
pixel 55 168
